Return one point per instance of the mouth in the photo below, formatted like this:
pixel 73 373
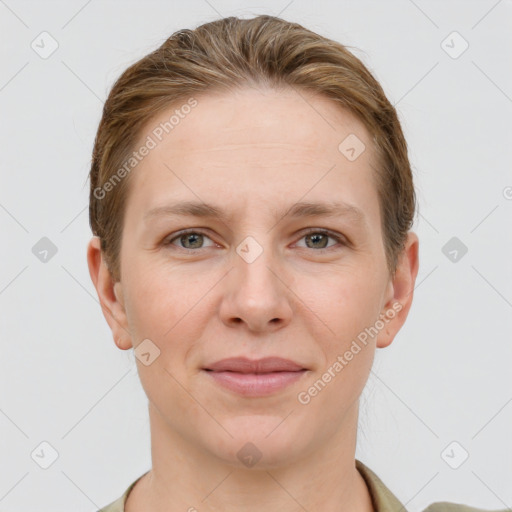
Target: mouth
pixel 254 378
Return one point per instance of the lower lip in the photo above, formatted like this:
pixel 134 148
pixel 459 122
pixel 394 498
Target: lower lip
pixel 252 384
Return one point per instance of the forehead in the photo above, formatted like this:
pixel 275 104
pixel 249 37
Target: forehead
pixel 251 116
pixel 261 142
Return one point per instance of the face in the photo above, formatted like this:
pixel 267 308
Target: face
pixel 282 257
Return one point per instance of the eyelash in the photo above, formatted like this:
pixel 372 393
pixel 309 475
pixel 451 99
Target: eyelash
pixel 339 239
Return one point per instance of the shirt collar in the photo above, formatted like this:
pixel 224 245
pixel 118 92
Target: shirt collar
pixel 382 498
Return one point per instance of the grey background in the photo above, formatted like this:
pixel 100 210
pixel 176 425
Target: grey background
pixel 447 375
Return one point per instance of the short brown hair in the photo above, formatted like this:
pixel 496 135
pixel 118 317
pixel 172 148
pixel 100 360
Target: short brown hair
pixel 232 53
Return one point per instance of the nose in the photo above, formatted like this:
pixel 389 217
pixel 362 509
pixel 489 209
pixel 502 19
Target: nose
pixel 256 295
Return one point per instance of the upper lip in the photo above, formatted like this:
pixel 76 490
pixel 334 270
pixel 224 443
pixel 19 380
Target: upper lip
pixel 245 365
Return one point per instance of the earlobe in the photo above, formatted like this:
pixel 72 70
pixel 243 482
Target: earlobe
pixel 401 293
pixel 111 299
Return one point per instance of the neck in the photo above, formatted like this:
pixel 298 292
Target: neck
pixel 186 477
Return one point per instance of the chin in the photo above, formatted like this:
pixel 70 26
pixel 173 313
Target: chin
pixel 260 442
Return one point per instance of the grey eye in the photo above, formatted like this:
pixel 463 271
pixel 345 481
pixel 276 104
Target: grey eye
pixel 317 240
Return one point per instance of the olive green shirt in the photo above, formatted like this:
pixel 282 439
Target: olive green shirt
pixel 382 498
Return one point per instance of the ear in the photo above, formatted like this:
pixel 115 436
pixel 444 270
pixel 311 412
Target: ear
pixel 400 292
pixel 110 294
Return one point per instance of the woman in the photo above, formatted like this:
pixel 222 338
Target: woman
pixel 251 201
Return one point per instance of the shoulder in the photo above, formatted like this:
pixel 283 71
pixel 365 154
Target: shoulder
pixel 444 506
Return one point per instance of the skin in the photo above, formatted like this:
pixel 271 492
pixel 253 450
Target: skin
pixel 254 154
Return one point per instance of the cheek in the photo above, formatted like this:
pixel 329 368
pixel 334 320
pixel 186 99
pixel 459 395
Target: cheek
pixel 341 303
pixel 164 303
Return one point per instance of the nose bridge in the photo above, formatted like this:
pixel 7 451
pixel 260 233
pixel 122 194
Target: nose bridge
pixel 253 262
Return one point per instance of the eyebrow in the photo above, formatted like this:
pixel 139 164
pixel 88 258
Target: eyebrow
pixel 300 209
